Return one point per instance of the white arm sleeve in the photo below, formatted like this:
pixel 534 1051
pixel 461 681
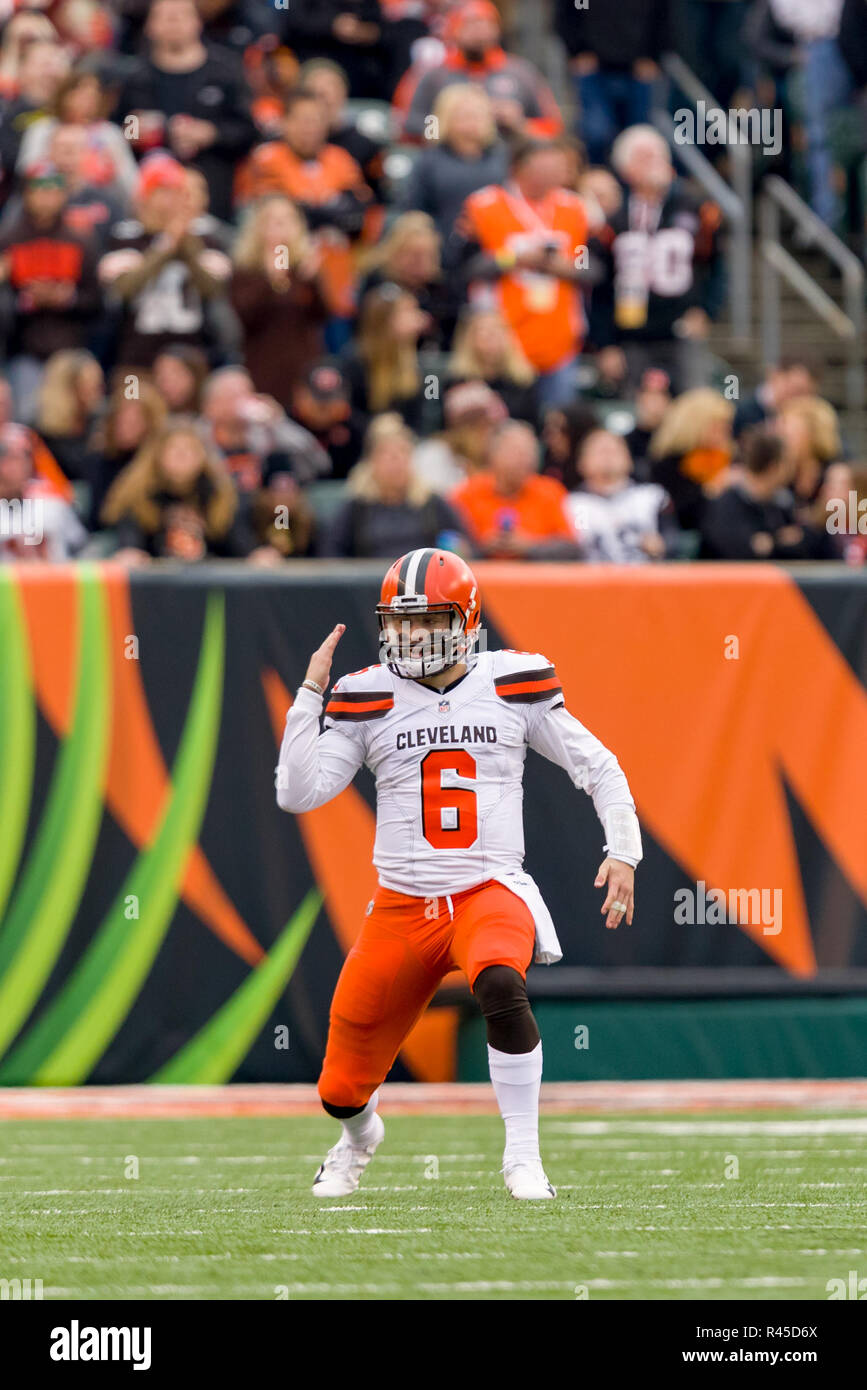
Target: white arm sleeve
pixel 558 736
pixel 314 767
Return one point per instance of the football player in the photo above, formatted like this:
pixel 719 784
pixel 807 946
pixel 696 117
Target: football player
pixel 445 730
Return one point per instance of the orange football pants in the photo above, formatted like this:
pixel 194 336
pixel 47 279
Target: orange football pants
pixel 404 949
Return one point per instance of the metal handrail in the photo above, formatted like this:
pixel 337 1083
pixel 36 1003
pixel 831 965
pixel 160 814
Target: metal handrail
pixel 778 197
pixel 803 284
pixel 736 202
pixel 828 241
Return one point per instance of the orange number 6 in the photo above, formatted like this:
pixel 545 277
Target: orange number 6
pixel 435 798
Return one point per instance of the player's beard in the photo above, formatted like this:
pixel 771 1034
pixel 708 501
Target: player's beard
pixel 438 652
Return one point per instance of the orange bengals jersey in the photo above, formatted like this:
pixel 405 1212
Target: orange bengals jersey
pixel 274 168
pixel 539 510
pixel 546 314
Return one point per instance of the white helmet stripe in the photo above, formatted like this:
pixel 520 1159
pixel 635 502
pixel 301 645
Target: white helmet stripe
pixel 415 563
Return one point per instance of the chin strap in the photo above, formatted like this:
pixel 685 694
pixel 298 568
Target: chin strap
pixel 468 654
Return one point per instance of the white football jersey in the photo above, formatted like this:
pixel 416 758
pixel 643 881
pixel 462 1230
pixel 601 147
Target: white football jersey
pixel 610 528
pixel 449 769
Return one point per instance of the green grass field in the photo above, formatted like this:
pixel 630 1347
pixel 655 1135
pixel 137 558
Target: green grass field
pixel 221 1208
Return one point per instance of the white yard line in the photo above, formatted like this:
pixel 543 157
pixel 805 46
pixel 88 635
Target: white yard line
pixel 700 1126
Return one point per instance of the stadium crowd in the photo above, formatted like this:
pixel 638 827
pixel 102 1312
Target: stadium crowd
pixel 343 278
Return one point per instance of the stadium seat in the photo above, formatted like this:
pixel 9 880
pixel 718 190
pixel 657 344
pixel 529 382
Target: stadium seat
pixel 326 498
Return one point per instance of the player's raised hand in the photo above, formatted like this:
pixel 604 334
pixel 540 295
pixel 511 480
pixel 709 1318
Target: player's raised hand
pixel 319 669
pixel 620 898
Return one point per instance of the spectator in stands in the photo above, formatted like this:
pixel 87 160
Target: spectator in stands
pixel 614 55
pixel 348 32
pixel 776 55
pixel 135 414
pixel 409 256
pixel 179 373
pixel 390 510
pixel 382 365
pixel 486 349
pixel 38 524
pixel 602 195
pixel 329 83
pixel 410 29
pixel 524 239
pixel 279 297
pixel 271 71
pixel 575 166
pixel 691 451
pixel 473 286
pixel 176 501
pixel 467 155
pixel 190 98
pixel 810 433
pixel 280 517
pixel 160 273
pixel 321 178
pixel 712 42
pixel 564 427
pixel 43 64
pixel 472 411
pixel 91 209
pixel 203 223
pixel 651 402
pixel 619 521
pixel 508 509
pixel 852 40
pixel 70 399
pixel 796 374
pixel 50 273
pixel 222 327
pixel 827 86
pixel 523 102
pixel 46 470
pixel 21 30
pixel 321 403
pixel 107 161
pixel 754 518
pixel 247 428
pixel 841 484
pixel 662 275
pixel 83 26
pixel 233 24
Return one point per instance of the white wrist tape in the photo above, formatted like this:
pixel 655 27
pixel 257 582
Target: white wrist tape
pixel 623 835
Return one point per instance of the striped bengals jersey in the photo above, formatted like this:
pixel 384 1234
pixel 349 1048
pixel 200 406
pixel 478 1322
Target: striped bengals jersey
pixel 449 767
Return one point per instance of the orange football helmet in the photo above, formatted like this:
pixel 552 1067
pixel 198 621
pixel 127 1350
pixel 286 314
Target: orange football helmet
pixel 420 583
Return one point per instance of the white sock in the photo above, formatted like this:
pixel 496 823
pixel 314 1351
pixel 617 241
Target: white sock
pixel 359 1129
pixel 517 1079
